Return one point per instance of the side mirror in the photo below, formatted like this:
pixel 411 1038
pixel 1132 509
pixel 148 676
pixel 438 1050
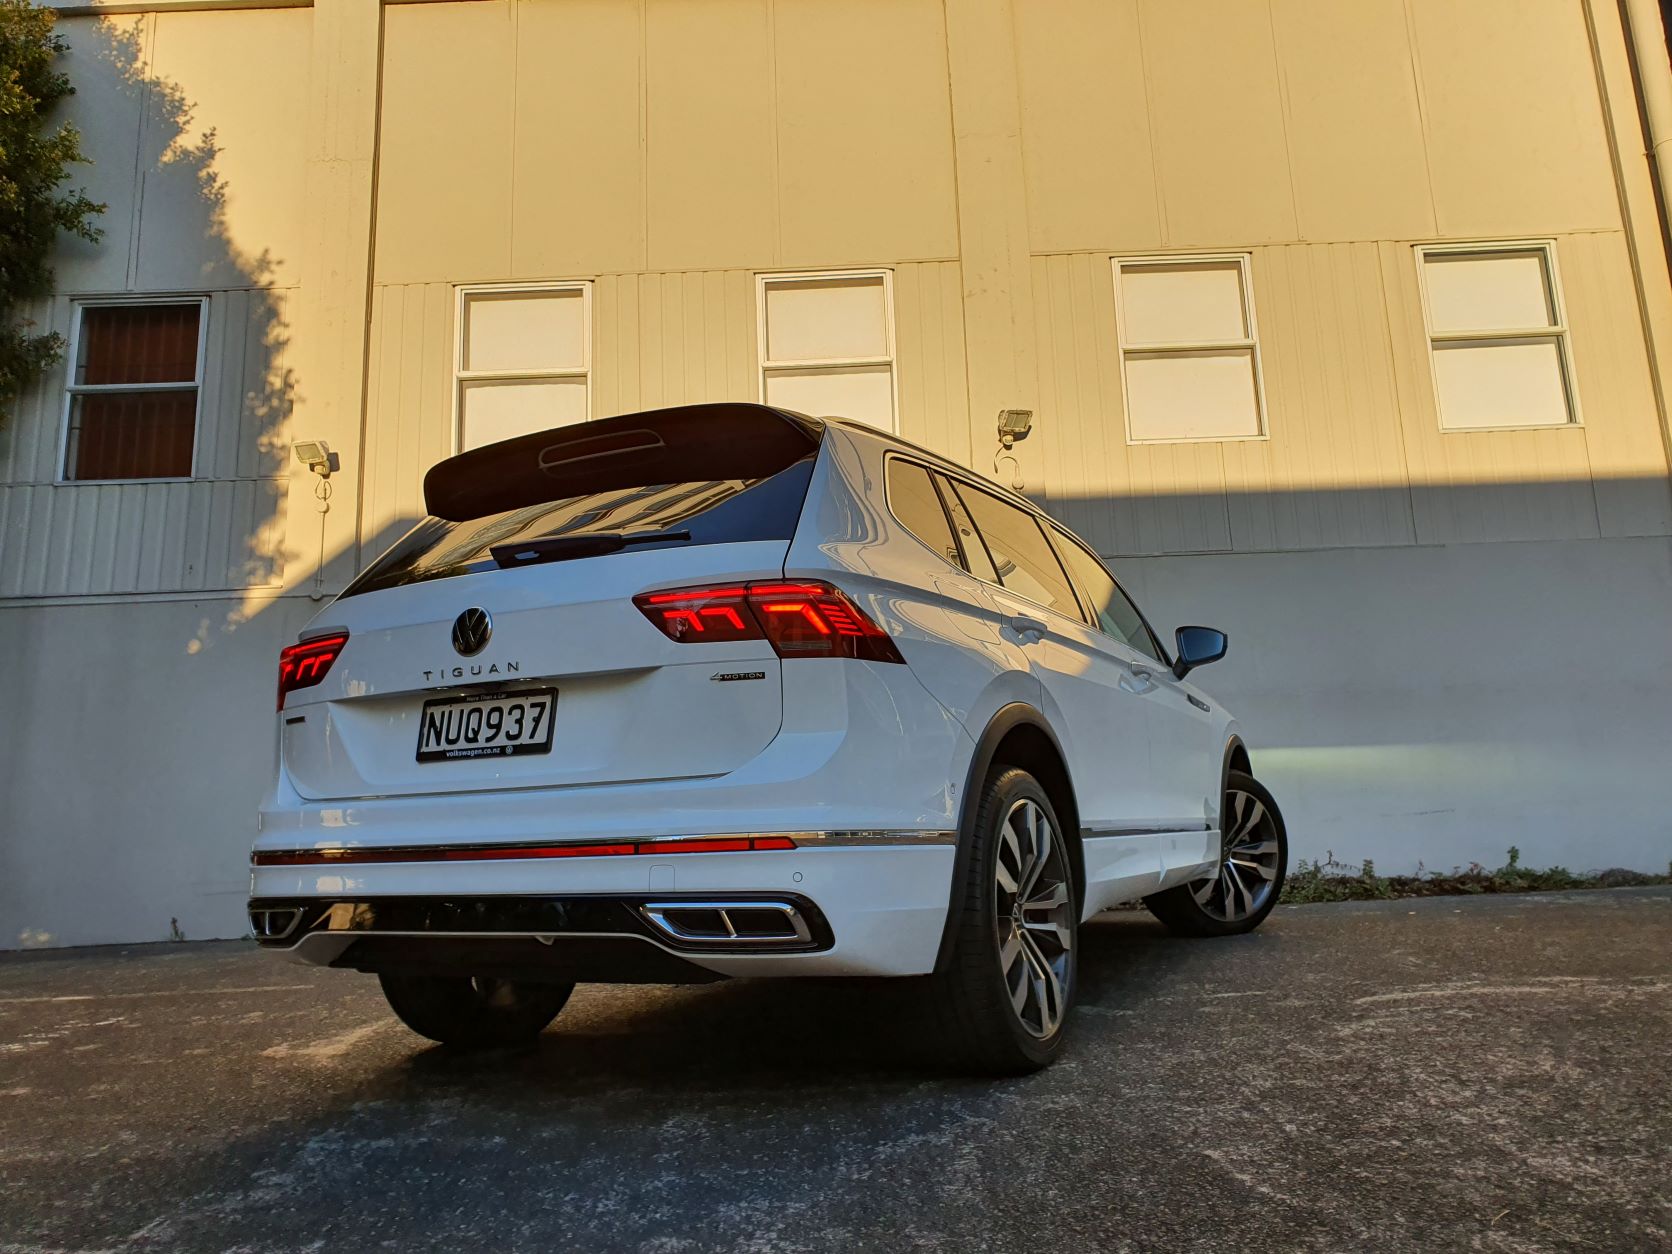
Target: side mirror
pixel 1197 646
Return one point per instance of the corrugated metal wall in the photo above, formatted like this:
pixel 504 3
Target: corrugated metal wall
pixel 222 530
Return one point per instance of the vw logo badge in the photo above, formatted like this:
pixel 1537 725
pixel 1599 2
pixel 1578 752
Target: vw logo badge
pixel 471 631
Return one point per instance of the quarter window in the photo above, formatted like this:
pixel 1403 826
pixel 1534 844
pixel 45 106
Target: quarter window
pixel 827 345
pixel 1497 338
pixel 133 393
pixel 1116 614
pixel 1190 359
pixel 913 500
pixel 1026 565
pixel 524 361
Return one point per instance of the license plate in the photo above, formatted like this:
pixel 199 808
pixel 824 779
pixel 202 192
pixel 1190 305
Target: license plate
pixel 489 725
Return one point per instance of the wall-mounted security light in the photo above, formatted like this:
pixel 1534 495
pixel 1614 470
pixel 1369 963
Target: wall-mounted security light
pixel 1014 424
pixel 317 456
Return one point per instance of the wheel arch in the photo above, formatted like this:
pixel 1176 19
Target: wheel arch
pixel 1017 735
pixel 1236 759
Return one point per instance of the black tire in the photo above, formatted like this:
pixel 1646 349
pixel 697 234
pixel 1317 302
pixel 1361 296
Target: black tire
pixel 474 1012
pixel 1242 892
pixel 982 1026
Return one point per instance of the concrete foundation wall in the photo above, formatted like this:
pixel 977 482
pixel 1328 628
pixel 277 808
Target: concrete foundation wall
pixel 1435 706
pixel 135 743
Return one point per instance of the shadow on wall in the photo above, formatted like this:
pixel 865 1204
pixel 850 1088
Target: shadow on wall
pixel 187 767
pixel 1434 703
pixel 180 240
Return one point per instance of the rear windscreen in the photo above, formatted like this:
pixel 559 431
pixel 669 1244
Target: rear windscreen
pixel 711 511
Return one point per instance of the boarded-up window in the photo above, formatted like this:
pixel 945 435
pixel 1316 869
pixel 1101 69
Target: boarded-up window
pixel 1498 341
pixel 134 377
pixel 827 346
pixel 1190 360
pixel 524 361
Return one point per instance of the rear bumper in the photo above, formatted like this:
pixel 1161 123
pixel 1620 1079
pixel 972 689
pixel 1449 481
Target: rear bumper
pixel 874 908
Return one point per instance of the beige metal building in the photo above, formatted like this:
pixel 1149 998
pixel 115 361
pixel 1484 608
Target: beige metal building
pixel 1347 327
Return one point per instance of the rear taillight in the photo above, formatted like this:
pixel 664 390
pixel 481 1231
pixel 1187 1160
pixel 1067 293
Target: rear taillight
pixel 802 619
pixel 304 665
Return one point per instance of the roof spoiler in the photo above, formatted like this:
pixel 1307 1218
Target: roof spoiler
pixel 728 440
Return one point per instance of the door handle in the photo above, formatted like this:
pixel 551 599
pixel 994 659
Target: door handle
pixel 1026 625
pixel 1137 680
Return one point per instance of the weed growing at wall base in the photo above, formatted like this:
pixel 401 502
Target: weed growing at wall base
pixel 1330 880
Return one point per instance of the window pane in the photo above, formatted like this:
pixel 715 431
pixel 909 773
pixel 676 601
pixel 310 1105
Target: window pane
pixel 132 435
pixel 1182 304
pixel 1208 394
pixel 137 344
pixel 1487 291
pixel 1115 614
pixel 493 411
pixel 975 552
pixel 525 331
pixel 1501 383
pixel 825 319
pixel 913 500
pixel 1025 562
pixel 863 393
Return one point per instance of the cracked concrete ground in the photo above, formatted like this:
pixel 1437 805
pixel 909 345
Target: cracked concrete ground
pixel 1481 1073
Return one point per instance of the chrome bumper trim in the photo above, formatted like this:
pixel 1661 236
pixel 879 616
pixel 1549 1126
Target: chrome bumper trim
pixel 832 840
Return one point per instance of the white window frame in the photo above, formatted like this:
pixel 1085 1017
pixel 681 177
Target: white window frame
pixel 1558 329
pixel 461 316
pixel 72 389
pixel 768 366
pixel 1244 263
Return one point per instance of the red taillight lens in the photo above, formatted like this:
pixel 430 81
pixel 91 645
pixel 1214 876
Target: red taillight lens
pixel 304 665
pixel 797 619
pixel 701 615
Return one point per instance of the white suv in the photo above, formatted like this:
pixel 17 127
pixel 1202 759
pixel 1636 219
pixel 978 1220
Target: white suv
pixel 723 690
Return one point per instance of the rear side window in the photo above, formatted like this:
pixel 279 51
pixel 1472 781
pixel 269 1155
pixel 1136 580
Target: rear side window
pixel 976 560
pixel 711 511
pixel 1026 565
pixel 1116 615
pixel 913 500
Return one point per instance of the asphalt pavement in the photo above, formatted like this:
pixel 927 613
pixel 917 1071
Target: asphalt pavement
pixel 1452 1073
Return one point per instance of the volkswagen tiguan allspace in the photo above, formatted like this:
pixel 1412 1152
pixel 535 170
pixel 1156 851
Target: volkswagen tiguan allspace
pixel 724 690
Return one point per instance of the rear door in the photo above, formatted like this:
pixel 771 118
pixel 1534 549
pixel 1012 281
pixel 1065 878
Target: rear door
pixel 1103 728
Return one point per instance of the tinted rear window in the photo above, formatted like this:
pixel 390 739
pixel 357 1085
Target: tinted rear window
pixel 714 511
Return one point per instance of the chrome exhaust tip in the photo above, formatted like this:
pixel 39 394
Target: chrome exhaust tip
pixel 274 923
pixel 728 924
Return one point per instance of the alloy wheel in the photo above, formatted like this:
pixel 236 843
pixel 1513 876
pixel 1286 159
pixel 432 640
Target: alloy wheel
pixel 1034 911
pixel 1248 861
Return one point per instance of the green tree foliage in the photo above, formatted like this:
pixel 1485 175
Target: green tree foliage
pixel 33 163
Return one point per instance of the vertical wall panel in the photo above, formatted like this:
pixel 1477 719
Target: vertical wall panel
pixel 1514 127
pixel 931 379
pixel 1355 126
pixel 1220 145
pixel 577 195
pixel 864 131
pixel 409 419
pixel 447 132
pixel 1331 471
pixel 1086 125
pixel 1622 426
pixel 711 177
